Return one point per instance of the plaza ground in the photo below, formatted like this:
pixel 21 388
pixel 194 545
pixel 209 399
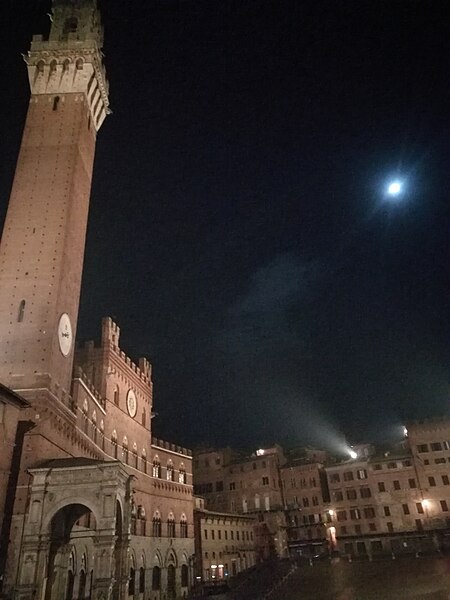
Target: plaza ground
pixel 407 578
pixel 425 578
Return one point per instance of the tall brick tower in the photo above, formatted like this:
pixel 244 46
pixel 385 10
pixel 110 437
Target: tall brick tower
pixel 43 241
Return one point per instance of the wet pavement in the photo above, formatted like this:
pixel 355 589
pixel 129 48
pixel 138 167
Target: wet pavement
pixel 425 578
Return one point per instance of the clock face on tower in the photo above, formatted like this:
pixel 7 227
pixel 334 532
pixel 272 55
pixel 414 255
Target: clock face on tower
pixel 131 403
pixel 65 334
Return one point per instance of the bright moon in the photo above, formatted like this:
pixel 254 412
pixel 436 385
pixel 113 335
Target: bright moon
pixel 394 188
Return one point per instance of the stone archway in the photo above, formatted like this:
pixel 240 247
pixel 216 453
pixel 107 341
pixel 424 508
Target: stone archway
pixel 70 525
pixel 63 492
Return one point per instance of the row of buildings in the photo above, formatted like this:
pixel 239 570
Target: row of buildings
pixel 306 503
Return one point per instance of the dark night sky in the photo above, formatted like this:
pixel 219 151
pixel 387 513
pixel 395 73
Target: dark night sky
pixel 238 230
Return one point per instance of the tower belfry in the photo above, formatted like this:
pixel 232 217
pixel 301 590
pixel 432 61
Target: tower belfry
pixel 43 241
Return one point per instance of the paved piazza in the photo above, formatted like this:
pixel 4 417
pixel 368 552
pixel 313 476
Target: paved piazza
pixel 401 579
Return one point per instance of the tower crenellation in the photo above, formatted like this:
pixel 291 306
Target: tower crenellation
pixel 70 60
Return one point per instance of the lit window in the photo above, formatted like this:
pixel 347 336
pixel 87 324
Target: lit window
pixel 170 472
pixel 156 468
pixel 182 475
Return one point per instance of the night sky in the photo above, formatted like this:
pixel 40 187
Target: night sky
pixel 239 230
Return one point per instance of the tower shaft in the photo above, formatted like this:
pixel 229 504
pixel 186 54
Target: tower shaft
pixel 42 245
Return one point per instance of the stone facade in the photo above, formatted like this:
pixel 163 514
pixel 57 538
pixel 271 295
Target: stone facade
pixel 246 484
pixel 225 544
pixel 12 433
pixel 389 500
pixel 99 508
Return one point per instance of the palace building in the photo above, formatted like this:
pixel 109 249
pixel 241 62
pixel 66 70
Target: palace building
pixel 92 505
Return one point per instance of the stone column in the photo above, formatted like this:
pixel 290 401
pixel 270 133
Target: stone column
pixel 33 579
pixel 104 567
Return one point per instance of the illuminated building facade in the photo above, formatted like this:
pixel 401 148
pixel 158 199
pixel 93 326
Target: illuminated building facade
pixel 224 543
pixel 98 508
pixel 246 484
pixel 389 500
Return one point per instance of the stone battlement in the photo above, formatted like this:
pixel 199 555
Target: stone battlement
pixel 171 447
pixel 80 374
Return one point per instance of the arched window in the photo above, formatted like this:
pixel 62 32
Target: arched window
pixel 144 460
pixel 156 525
pixel 94 427
pixel 156 578
pixel 156 467
pixel 182 474
pixel 131 582
pixel 142 580
pixel 184 576
pixel 170 471
pixel 102 434
pixel 66 65
pixel 183 527
pixel 125 450
pixel 85 417
pixel 79 63
pixel 40 66
pixel 171 526
pixel 257 502
pixel 116 395
pixel 114 444
pixel 135 456
pixel 21 311
pixel 53 65
pixel 82 584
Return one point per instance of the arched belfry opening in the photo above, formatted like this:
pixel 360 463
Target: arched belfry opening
pixel 76 531
pixel 70 25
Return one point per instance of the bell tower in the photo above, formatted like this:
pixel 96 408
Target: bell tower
pixel 43 240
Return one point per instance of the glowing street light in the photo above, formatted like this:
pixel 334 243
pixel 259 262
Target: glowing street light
pixel 353 454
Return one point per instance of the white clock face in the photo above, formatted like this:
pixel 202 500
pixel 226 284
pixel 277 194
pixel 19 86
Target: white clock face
pixel 65 334
pixel 131 403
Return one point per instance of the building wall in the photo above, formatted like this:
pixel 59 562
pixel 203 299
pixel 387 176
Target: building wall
pixel 307 500
pixel 225 544
pixel 243 484
pixel 11 411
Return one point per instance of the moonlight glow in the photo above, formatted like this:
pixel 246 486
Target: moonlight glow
pixel 394 188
